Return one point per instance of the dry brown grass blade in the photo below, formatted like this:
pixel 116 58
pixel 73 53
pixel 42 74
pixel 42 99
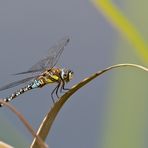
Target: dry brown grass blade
pixel 49 118
pixel 25 122
pixel 4 145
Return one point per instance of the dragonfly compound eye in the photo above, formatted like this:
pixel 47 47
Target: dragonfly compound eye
pixel 70 74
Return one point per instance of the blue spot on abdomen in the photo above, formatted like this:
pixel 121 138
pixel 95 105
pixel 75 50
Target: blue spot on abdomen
pixel 36 84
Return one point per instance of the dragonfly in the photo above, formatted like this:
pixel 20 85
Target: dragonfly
pixel 47 74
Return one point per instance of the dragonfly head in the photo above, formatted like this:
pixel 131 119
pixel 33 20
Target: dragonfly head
pixel 66 75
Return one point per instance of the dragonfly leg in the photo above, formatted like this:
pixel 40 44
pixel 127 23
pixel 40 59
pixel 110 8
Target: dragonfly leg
pixel 58 86
pixel 63 87
pixel 52 93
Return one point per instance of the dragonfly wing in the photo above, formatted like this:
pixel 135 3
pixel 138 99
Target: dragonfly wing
pixel 16 83
pixel 52 58
pixel 55 52
pixel 38 67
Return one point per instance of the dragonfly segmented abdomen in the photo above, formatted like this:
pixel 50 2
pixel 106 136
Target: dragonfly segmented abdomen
pixel 33 85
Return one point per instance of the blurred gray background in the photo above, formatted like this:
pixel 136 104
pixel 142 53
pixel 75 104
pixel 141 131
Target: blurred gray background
pixel 27 30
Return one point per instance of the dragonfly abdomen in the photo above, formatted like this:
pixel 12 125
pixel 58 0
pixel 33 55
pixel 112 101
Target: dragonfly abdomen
pixel 33 85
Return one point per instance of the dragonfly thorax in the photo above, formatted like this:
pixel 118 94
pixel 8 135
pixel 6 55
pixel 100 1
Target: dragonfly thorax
pixel 56 75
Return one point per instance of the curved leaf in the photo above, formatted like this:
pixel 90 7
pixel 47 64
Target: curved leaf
pixel 51 115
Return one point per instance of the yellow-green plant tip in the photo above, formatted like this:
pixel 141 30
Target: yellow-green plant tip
pixel 124 26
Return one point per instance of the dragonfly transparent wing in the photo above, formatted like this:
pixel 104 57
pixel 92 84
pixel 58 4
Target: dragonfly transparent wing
pixel 52 58
pixel 16 83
